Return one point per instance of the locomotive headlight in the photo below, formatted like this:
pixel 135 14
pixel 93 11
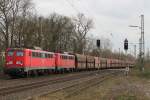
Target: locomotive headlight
pixel 19 62
pixel 9 62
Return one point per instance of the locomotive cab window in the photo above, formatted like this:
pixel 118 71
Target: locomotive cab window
pixel 19 53
pixel 10 53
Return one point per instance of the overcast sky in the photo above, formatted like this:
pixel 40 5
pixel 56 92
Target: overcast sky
pixel 111 17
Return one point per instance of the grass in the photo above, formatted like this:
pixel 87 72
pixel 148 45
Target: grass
pixel 145 74
pixel 126 97
pixel 142 74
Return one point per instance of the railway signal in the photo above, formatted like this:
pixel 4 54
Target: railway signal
pixel 98 43
pixel 126 44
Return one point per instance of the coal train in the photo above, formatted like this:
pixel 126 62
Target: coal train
pixel 24 62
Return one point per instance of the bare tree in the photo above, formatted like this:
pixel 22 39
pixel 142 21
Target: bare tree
pixel 5 9
pixel 58 31
pixel 9 11
pixel 82 27
pixel 24 13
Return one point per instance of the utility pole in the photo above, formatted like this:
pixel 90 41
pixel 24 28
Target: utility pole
pixel 142 45
pixel 148 54
pixel 119 54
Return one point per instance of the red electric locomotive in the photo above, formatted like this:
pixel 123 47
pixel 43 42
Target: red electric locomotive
pixel 65 62
pixel 27 61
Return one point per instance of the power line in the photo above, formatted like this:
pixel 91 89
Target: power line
pixel 75 8
pixel 72 5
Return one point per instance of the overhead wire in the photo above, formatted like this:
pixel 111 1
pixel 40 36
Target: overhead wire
pixel 72 5
pixel 75 8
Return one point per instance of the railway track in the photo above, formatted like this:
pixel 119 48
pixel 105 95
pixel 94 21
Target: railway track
pixel 8 90
pixel 76 89
pixel 9 93
pixel 81 85
pixel 8 82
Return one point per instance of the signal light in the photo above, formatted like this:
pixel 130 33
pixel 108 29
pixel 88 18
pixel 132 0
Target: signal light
pixel 98 43
pixel 125 44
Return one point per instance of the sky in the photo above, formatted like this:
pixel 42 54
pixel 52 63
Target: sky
pixel 111 18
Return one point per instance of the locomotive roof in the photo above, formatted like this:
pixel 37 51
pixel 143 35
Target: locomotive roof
pixel 29 50
pixel 65 54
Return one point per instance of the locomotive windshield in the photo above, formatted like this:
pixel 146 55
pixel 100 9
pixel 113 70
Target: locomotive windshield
pixel 10 53
pixel 19 53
